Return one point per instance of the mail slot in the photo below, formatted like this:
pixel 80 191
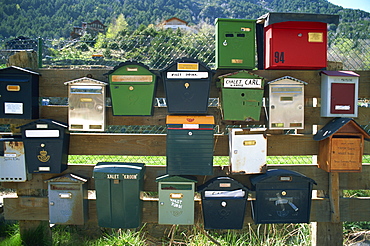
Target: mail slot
pixel 46 144
pixel 235 43
pixel 19 93
pixel 86 104
pixel 118 188
pixel 187 84
pixel 241 96
pixel 176 199
pixel 189 145
pixel 12 160
pixel 68 200
pixel 132 87
pixel 223 203
pixel 341 145
pixel 339 93
pixel 286 103
pixel 247 152
pixel 281 196
pixel 296 40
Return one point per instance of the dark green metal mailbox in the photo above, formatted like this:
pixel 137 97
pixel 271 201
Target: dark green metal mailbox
pixel 189 145
pixel 235 43
pixel 241 96
pixel 223 203
pixel 282 196
pixel 118 186
pixel 176 199
pixel 132 86
pixel 187 84
pixel 19 93
pixel 46 144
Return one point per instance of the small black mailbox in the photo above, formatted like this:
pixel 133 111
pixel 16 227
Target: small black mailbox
pixel 46 144
pixel 187 84
pixel 282 196
pixel 19 93
pixel 223 203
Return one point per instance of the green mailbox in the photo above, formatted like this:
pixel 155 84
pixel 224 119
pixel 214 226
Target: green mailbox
pixel 118 186
pixel 176 199
pixel 241 96
pixel 132 87
pixel 235 43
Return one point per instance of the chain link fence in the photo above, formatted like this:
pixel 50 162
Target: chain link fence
pixel 157 52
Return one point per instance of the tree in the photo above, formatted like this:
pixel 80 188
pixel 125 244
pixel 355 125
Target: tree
pixel 118 26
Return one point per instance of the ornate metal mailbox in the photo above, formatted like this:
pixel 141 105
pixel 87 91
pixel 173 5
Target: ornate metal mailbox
pixel 286 103
pixel 46 144
pixel 235 43
pixel 86 104
pixel 68 200
pixel 296 40
pixel 247 152
pixel 12 160
pixel 19 93
pixel 341 145
pixel 339 93
pixel 176 199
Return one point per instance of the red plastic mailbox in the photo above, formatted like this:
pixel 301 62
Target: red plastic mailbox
pixel 296 41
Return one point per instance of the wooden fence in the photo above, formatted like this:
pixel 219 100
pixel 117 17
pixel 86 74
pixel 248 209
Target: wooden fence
pixel 328 210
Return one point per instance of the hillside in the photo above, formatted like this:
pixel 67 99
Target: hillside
pixel 56 18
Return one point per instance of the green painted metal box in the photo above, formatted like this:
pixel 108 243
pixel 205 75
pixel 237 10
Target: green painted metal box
pixel 189 145
pixel 132 87
pixel 235 43
pixel 241 96
pixel 176 199
pixel 118 186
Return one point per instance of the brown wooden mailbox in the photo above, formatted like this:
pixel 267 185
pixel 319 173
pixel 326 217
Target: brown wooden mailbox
pixel 341 146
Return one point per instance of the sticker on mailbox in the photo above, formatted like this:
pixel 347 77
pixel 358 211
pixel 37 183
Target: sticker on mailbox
pixel 188 66
pixel 187 75
pixel 242 83
pixel 13 108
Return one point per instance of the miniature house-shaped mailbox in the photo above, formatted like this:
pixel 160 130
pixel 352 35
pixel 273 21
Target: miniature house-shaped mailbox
pixel 286 103
pixel 339 93
pixel 86 103
pixel 341 146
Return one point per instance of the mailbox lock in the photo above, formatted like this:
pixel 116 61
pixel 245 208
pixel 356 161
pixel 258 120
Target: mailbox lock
pixel 161 203
pixel 283 193
pixel 272 106
pixel 52 203
pixel 186 85
pixel 223 204
pixel 42 145
pixel 300 34
pixel 131 88
pixel 224 43
pixel 190 133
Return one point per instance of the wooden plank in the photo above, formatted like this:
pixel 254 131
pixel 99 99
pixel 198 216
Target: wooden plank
pixel 327 233
pixel 334 196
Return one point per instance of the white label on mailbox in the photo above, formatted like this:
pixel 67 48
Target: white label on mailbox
pixel 42 133
pixel 44 169
pixel 242 83
pixel 65 195
pixel 222 193
pixel 13 108
pixel 41 126
pixel 342 107
pixel 191 126
pixel 10 155
pixel 187 75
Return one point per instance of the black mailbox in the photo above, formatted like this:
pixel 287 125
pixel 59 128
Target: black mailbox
pixel 187 83
pixel 46 144
pixel 19 93
pixel 223 203
pixel 282 196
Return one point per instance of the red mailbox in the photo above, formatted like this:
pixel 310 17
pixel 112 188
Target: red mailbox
pixel 296 40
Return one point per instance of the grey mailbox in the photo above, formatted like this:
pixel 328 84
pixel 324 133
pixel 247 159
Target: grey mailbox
pixel 68 201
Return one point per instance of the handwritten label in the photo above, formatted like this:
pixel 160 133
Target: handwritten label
pixel 242 83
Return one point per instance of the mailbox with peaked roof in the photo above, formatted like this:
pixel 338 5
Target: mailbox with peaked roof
pixel 19 93
pixel 86 101
pixel 68 203
pixel 341 145
pixel 286 103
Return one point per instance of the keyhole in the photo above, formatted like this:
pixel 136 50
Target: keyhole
pixel 225 43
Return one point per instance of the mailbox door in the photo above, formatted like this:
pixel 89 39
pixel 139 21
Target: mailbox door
pixel 12 161
pixel 235 43
pixel 176 203
pixel 286 107
pixel 343 98
pixel 296 45
pixel 87 110
pixel 282 205
pixel 66 204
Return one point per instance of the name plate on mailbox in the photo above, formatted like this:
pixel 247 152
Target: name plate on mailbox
pixel 187 75
pixel 242 83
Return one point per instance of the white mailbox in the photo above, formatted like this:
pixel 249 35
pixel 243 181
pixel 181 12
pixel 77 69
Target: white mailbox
pixel 339 93
pixel 286 103
pixel 86 102
pixel 247 152
pixel 12 161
